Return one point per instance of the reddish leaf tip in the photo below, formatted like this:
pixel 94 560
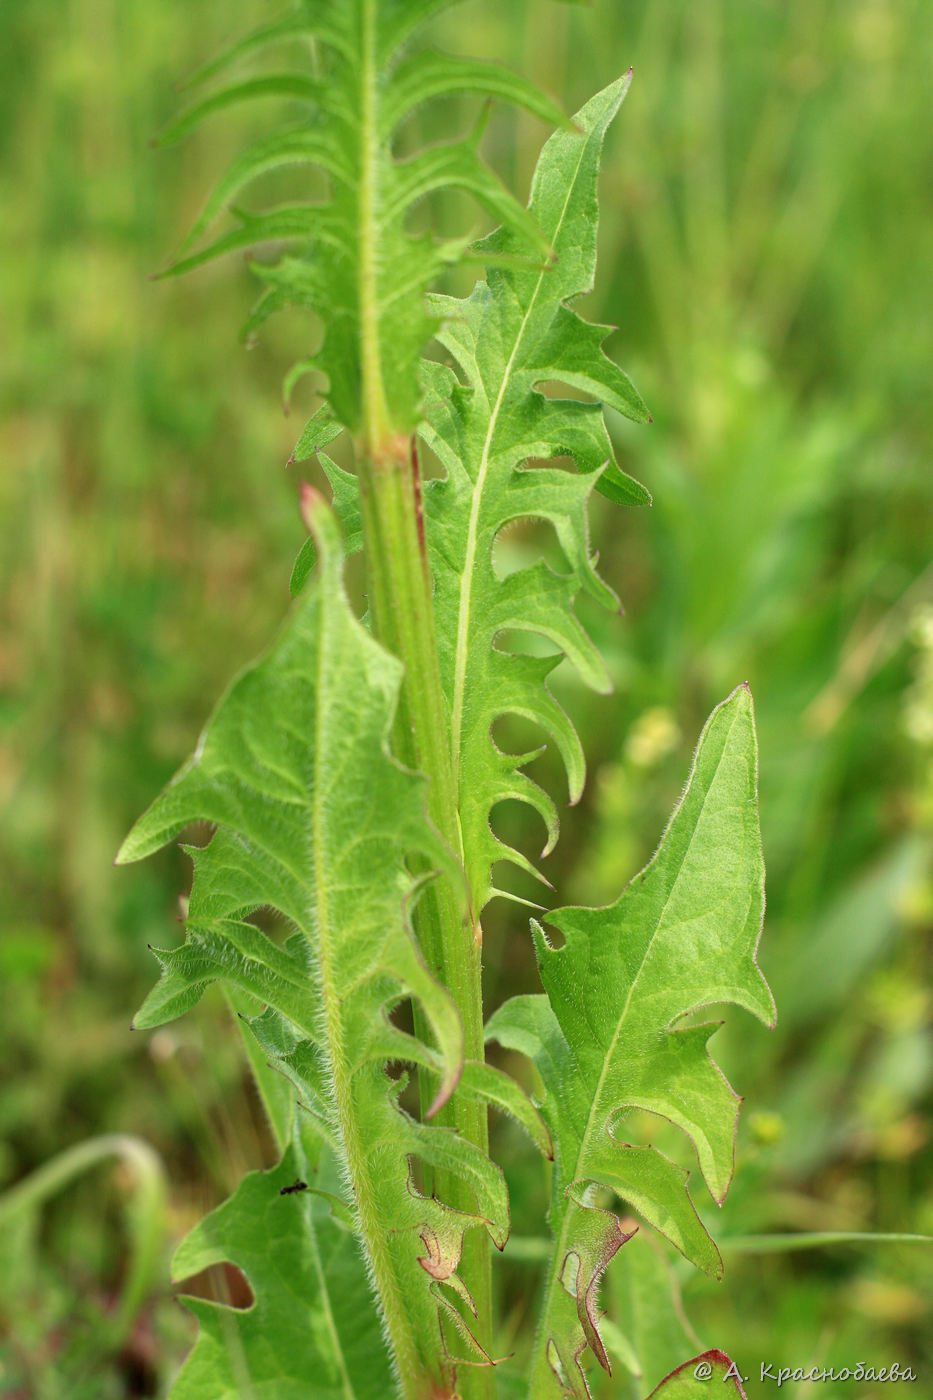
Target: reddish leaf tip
pixel 702 1368
pixel 311 501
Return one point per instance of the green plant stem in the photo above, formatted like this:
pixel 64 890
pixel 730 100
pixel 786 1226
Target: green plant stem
pixel 401 606
pixel 146 1212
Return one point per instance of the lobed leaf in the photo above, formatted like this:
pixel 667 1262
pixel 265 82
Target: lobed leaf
pixel 513 334
pixel 312 1314
pixel 370 274
pixel 316 821
pixel 609 1038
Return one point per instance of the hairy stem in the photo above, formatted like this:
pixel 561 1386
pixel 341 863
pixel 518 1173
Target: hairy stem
pixel 401 604
pixel 402 615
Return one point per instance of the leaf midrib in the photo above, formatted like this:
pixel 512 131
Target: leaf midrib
pixel 319 893
pixel 560 1244
pixel 466 582
pixel 613 1045
pixel 374 1237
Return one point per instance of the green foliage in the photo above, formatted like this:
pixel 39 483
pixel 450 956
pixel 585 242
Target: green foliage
pixel 312 1314
pixel 360 270
pixel 607 1040
pixel 314 819
pixel 692 1380
pixel 645 1330
pixel 769 164
pixel 513 335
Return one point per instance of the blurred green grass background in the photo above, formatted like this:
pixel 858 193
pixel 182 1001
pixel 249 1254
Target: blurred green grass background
pixel 767 203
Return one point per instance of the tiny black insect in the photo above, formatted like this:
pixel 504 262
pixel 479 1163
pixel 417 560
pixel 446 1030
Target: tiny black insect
pixel 295 1186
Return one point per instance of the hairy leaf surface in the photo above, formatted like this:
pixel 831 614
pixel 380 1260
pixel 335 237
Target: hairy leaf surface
pixel 312 1315
pixel 513 334
pixel 609 1036
pixel 315 820
pixel 357 265
pixel 516 333
pixel 642 1298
